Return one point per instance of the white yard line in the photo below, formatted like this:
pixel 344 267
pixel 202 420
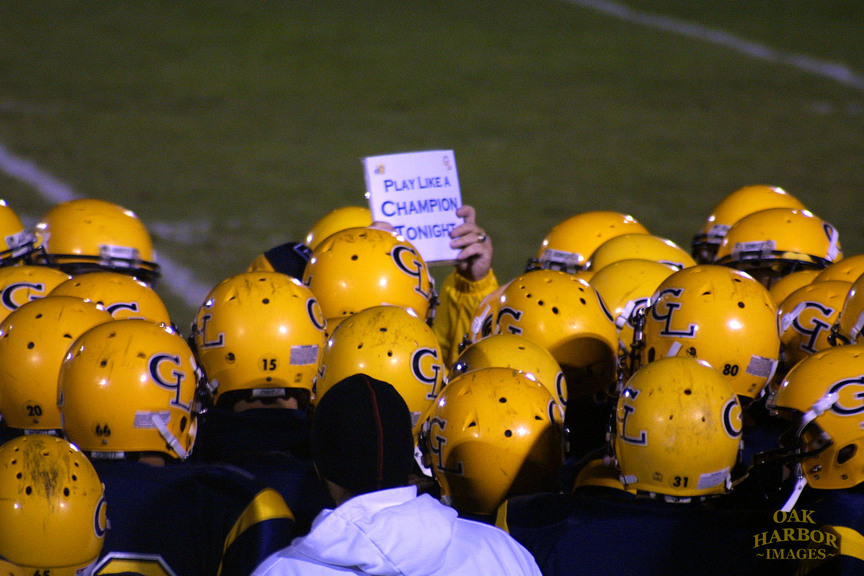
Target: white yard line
pixel 176 278
pixel 831 70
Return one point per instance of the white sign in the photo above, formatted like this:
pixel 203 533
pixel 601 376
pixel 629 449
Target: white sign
pixel 418 193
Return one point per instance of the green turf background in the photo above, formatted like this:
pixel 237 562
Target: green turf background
pixel 230 127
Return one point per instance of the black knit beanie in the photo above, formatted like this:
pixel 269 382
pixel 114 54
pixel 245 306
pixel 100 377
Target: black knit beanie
pixel 361 435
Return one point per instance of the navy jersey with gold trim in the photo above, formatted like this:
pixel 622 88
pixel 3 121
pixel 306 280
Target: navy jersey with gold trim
pixel 188 519
pixel 600 530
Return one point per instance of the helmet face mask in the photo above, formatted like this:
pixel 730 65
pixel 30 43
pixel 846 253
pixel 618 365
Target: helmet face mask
pixel 821 396
pixel 730 210
pixel 87 235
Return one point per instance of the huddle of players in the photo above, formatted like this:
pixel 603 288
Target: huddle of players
pixel 619 378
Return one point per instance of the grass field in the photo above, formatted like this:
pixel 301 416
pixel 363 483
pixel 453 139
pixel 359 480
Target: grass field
pixel 230 127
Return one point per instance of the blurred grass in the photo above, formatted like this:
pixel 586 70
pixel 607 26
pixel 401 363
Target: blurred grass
pixel 230 127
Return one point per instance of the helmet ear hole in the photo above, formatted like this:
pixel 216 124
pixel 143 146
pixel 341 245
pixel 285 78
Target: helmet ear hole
pixel 846 453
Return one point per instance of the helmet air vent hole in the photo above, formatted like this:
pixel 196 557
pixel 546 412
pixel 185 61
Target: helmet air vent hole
pixel 39 316
pixel 30 345
pixel 541 303
pixel 74 478
pixel 19 475
pixel 389 353
pixel 846 453
pixel 183 422
pixel 706 293
pixel 66 492
pixel 582 300
pixel 555 310
pixel 508 433
pixel 67 336
pixel 265 301
pixel 741 304
pixel 382 329
pixel 28 490
pixel 471 424
pixel 354 257
pixel 502 400
pixel 103 363
pixel 359 346
pixel 688 391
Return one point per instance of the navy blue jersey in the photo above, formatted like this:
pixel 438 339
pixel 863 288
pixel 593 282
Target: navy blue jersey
pixel 272 445
pixel 188 519
pixel 599 530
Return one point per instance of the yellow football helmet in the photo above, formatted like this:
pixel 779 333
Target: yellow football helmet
pixel 565 315
pixel 823 394
pixel 626 287
pixel 733 208
pixel 130 386
pixel 571 242
pixel 388 343
pixel 848 269
pixel 261 333
pixel 850 322
pixel 716 314
pixel 360 268
pixel 17 243
pixel 677 430
pixel 121 295
pixel 784 286
pixel 52 508
pixel 639 246
pixel 772 243
pixel 88 234
pixel 518 353
pixel 490 437
pixel 337 220
pixel 34 340
pixel 806 318
pixel 23 283
pixel 483 322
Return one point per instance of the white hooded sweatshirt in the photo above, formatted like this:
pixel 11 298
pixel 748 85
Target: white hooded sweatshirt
pixel 395 532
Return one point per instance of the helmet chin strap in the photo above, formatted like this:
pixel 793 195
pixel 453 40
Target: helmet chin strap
pixel 819 407
pixel 172 440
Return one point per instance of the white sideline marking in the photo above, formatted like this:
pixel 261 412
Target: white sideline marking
pixel 176 278
pixel 831 70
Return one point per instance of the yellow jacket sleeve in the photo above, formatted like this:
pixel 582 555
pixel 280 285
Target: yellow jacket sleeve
pixel 458 300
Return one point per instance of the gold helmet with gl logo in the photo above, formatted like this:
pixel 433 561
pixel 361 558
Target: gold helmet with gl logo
pixel 388 343
pixel 360 268
pixel 23 283
pixel 130 386
pixel 717 314
pixel 677 430
pixel 493 433
pixel 823 396
pixel 807 316
pixel 52 508
pixel 34 340
pixel 565 315
pixel 123 296
pixel 259 332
